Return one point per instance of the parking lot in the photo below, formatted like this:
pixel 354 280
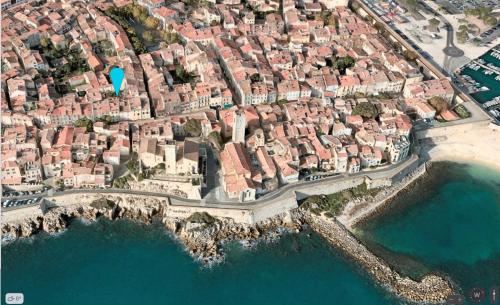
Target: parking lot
pixel 11 203
pixel 12 199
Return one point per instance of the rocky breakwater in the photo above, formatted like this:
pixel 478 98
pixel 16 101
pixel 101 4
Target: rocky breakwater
pixel 430 289
pixel 58 218
pixel 204 235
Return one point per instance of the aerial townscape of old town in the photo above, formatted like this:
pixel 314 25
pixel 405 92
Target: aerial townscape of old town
pixel 241 110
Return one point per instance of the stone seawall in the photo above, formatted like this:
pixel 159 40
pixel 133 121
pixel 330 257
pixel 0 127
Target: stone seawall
pixel 430 289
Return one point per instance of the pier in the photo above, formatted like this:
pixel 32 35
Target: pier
pixel 489 67
pixel 496 52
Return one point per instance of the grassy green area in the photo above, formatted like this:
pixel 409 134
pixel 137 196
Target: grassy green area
pixel 332 204
pixel 149 172
pixel 122 182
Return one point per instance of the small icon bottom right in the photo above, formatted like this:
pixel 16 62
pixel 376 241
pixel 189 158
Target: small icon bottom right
pixel 476 295
pixel 493 295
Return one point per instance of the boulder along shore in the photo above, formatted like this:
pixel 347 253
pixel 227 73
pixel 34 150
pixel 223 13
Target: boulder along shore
pixel 204 236
pixel 430 289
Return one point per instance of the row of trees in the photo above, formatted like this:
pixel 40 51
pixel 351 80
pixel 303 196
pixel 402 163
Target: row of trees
pixel 462 33
pixel 483 13
pixel 369 111
pixel 121 16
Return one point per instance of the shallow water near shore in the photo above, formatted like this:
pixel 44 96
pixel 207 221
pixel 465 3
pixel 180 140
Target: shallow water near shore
pixel 449 223
pixel 123 262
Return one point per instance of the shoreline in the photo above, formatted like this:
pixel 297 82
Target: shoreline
pixel 204 237
pixel 358 211
pixel 468 143
pixel 476 146
pixel 444 156
pixel 202 234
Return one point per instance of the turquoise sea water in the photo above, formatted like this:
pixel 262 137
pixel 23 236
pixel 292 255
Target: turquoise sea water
pixel 450 223
pixel 128 263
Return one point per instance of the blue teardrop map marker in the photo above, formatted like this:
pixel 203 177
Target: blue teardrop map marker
pixel 116 74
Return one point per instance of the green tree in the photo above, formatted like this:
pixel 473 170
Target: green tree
pixel 366 110
pixel 45 42
pixel 327 18
pixel 484 12
pixel 380 27
pixel 151 23
pixel 410 55
pixel 255 78
pixel 462 36
pixel 433 22
pixel 148 36
pixel 193 127
pixel 84 122
pixel 490 20
pixel 60 184
pixel 183 75
pixel 342 63
pixel 133 164
pixel 169 37
pixel 439 104
pixel 216 138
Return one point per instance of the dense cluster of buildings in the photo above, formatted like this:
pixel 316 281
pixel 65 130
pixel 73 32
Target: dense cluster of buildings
pixel 278 84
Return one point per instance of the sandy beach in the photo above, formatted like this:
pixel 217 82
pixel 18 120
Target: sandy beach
pixel 480 145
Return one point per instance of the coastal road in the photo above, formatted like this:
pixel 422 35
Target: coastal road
pixel 283 192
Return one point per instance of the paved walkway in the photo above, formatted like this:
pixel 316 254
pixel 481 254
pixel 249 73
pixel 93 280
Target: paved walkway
pixel 285 192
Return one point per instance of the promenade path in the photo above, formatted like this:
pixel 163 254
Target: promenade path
pixel 283 193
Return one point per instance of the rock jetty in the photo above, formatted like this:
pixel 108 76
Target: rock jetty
pixel 430 289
